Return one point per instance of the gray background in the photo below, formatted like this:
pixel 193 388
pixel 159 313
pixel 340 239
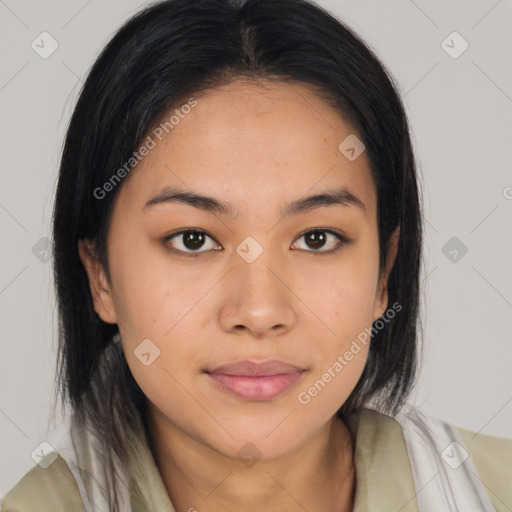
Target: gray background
pixel 460 112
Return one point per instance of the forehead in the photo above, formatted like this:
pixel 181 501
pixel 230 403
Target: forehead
pixel 254 144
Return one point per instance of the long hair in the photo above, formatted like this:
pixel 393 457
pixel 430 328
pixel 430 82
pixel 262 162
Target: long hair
pixel 163 55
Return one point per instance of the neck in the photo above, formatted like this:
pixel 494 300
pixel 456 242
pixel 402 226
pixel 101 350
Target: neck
pixel 318 475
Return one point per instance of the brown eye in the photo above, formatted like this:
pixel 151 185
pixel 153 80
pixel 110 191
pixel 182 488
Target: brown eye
pixel 318 239
pixel 189 241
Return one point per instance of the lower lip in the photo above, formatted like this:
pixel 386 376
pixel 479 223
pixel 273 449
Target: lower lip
pixel 256 388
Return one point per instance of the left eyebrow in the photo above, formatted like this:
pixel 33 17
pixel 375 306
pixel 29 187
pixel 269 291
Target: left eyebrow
pixel 339 197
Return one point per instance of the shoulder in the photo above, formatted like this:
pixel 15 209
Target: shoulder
pixel 52 489
pixel 489 458
pixel 492 457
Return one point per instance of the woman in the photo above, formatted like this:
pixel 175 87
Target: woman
pixel 237 235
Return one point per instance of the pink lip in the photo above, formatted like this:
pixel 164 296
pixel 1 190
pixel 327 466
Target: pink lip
pixel 256 381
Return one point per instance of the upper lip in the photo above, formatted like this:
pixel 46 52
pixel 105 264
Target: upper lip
pixel 253 368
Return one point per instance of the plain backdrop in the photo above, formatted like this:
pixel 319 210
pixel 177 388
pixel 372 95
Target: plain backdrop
pixel 459 105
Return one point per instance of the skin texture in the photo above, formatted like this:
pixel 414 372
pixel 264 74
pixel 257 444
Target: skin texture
pixel 258 148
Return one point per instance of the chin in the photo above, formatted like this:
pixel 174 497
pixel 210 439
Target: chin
pixel 260 444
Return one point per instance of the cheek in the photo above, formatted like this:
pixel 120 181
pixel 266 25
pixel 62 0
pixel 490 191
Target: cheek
pixel 171 391
pixel 346 308
pixel 339 360
pixel 330 384
pixel 151 294
pixel 159 316
pixel 346 301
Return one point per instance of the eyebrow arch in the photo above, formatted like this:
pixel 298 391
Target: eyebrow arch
pixel 340 197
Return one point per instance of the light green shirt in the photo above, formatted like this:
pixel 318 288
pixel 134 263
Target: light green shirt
pixel 383 476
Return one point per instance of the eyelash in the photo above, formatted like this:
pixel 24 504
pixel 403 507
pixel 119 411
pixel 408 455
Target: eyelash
pixel 342 241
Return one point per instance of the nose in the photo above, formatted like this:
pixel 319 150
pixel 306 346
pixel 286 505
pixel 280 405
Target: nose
pixel 258 298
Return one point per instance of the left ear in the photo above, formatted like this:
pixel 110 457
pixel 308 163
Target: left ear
pixel 381 298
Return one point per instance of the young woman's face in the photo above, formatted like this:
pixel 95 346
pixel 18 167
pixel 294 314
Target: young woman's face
pixel 255 283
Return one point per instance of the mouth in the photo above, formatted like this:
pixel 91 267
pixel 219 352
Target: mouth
pixel 256 381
